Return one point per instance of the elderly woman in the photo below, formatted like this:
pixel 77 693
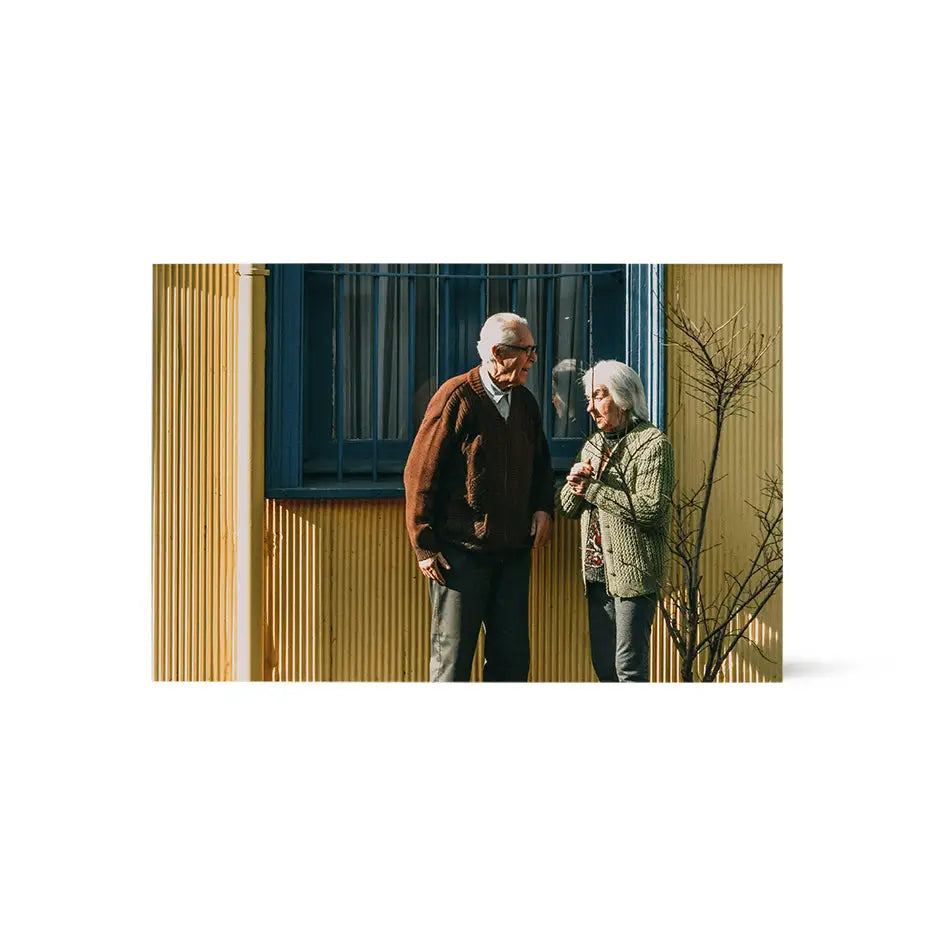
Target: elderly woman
pixel 620 489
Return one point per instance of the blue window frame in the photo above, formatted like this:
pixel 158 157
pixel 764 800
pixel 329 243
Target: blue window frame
pixel 355 351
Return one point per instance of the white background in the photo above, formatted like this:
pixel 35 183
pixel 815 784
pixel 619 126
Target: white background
pixel 196 132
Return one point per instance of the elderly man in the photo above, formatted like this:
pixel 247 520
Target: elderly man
pixel 480 495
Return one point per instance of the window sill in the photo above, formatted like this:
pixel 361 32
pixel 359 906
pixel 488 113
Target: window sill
pixel 353 488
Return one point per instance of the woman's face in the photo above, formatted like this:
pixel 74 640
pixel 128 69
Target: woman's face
pixel 603 409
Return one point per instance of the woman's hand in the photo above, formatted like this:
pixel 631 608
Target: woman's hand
pixel 580 474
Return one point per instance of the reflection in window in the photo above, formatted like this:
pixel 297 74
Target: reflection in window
pixel 375 341
pixel 568 358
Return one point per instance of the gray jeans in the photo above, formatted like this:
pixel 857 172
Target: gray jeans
pixel 620 630
pixel 481 588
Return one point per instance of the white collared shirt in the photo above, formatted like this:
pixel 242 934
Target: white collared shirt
pixel 501 399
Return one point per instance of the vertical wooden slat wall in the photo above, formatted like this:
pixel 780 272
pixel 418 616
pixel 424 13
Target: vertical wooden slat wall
pixel 194 474
pixel 751 445
pixel 344 600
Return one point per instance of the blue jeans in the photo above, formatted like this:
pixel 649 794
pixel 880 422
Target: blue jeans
pixel 620 631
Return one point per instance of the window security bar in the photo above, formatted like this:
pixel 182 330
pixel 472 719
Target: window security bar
pixel 445 361
pixel 342 269
pixel 350 369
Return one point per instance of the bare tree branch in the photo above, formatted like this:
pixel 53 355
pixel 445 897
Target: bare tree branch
pixel 721 367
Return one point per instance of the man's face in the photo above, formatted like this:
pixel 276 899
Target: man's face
pixel 511 365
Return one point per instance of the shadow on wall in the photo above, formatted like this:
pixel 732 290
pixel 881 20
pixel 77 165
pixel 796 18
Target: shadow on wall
pixel 344 601
pixel 761 659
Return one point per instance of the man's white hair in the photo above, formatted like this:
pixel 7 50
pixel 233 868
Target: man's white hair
pixel 624 384
pixel 500 329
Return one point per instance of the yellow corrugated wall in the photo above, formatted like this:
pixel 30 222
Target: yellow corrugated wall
pixel 750 447
pixel 344 601
pixel 195 308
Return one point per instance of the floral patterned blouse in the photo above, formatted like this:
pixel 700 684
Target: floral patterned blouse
pixel 593 567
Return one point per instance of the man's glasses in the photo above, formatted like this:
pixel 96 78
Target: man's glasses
pixel 528 350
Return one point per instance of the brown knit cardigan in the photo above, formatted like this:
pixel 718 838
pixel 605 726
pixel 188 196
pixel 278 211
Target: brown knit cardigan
pixel 473 478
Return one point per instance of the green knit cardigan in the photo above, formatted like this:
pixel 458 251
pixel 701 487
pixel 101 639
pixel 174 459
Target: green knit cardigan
pixel 633 495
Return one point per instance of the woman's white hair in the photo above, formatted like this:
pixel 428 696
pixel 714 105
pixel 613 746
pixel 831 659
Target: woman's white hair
pixel 500 329
pixel 624 384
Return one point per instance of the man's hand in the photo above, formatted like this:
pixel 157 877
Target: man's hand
pixel 430 568
pixel 540 528
pixel 579 475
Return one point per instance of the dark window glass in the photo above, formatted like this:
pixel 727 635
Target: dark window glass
pixel 355 352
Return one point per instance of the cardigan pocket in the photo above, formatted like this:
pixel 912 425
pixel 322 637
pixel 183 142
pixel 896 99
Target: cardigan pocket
pixel 462 522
